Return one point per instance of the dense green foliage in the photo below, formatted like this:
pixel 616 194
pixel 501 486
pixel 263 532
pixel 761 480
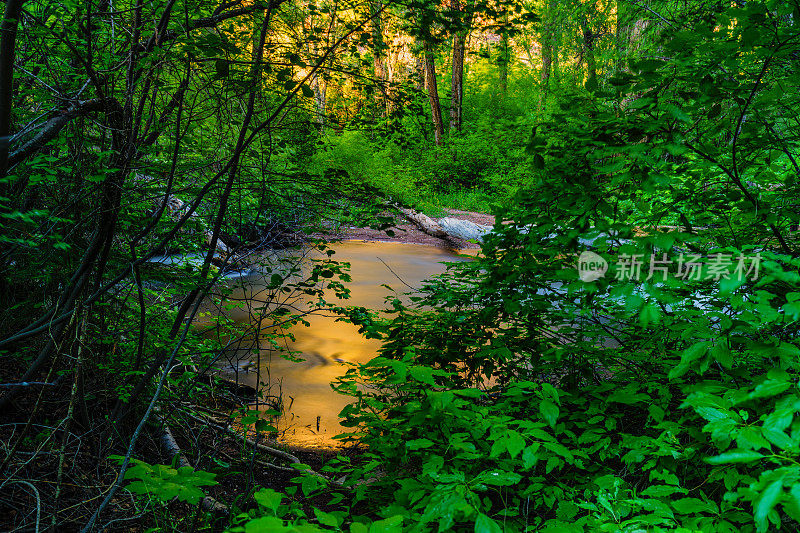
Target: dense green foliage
pixel 619 404
pixel 513 395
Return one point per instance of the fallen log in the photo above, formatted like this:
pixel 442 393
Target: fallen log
pixel 448 228
pixel 424 222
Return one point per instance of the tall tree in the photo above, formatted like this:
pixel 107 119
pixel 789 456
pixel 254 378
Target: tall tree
pixel 419 69
pixel 549 47
pixel 504 56
pixel 380 70
pixel 462 21
pixel 433 92
pixel 587 53
pixel 429 69
pixel 8 46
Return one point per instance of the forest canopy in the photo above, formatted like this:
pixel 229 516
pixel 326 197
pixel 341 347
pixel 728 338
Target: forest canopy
pixel 622 354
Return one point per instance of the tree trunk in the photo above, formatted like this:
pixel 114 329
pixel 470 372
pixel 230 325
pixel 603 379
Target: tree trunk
pixel 378 52
pixel 457 82
pixel 588 52
pixel 547 41
pixel 320 88
pixel 503 58
pixel 8 45
pixel 433 94
pixel 621 36
pixel 422 82
pixel 635 35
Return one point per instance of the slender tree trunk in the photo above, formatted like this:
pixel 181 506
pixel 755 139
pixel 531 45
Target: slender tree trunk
pixel 319 85
pixel 433 94
pixel 504 57
pixel 547 42
pixel 621 36
pixel 635 35
pixel 422 82
pixel 320 88
pixel 8 45
pixel 555 71
pixel 588 51
pixel 378 52
pixel 457 82
pixel 547 61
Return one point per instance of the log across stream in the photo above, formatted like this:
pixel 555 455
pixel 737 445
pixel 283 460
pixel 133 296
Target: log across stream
pixel 310 405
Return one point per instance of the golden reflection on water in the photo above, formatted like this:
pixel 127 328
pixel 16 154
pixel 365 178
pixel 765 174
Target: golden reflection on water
pixel 311 407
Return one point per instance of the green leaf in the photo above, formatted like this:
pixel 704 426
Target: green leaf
pixel 711 414
pixel 499 478
pixel 262 425
pixel 529 457
pixel 691 506
pixel 766 503
pixel 268 498
pixel 470 393
pixel 393 524
pixel 422 373
pixel 165 483
pixel 514 443
pixel 722 354
pixel 484 524
pixel 662 491
pixel 769 388
pixel 735 456
pixel 676 112
pixel 418 444
pixel 308 92
pixel 778 438
pixel 326 519
pixel 750 438
pixel 266 524
pixel 628 396
pixel 650 314
pixel 222 67
pixel 549 412
pixel 689 355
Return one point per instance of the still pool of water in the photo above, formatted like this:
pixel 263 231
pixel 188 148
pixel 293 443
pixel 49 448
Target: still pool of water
pixel 311 406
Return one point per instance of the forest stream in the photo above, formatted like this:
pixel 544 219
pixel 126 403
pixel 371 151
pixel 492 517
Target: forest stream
pixel 311 407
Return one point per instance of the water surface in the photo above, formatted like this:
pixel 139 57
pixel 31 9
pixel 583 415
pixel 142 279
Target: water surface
pixel 325 345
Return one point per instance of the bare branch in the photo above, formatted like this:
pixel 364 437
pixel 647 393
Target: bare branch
pixel 205 22
pixel 52 128
pixel 26 384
